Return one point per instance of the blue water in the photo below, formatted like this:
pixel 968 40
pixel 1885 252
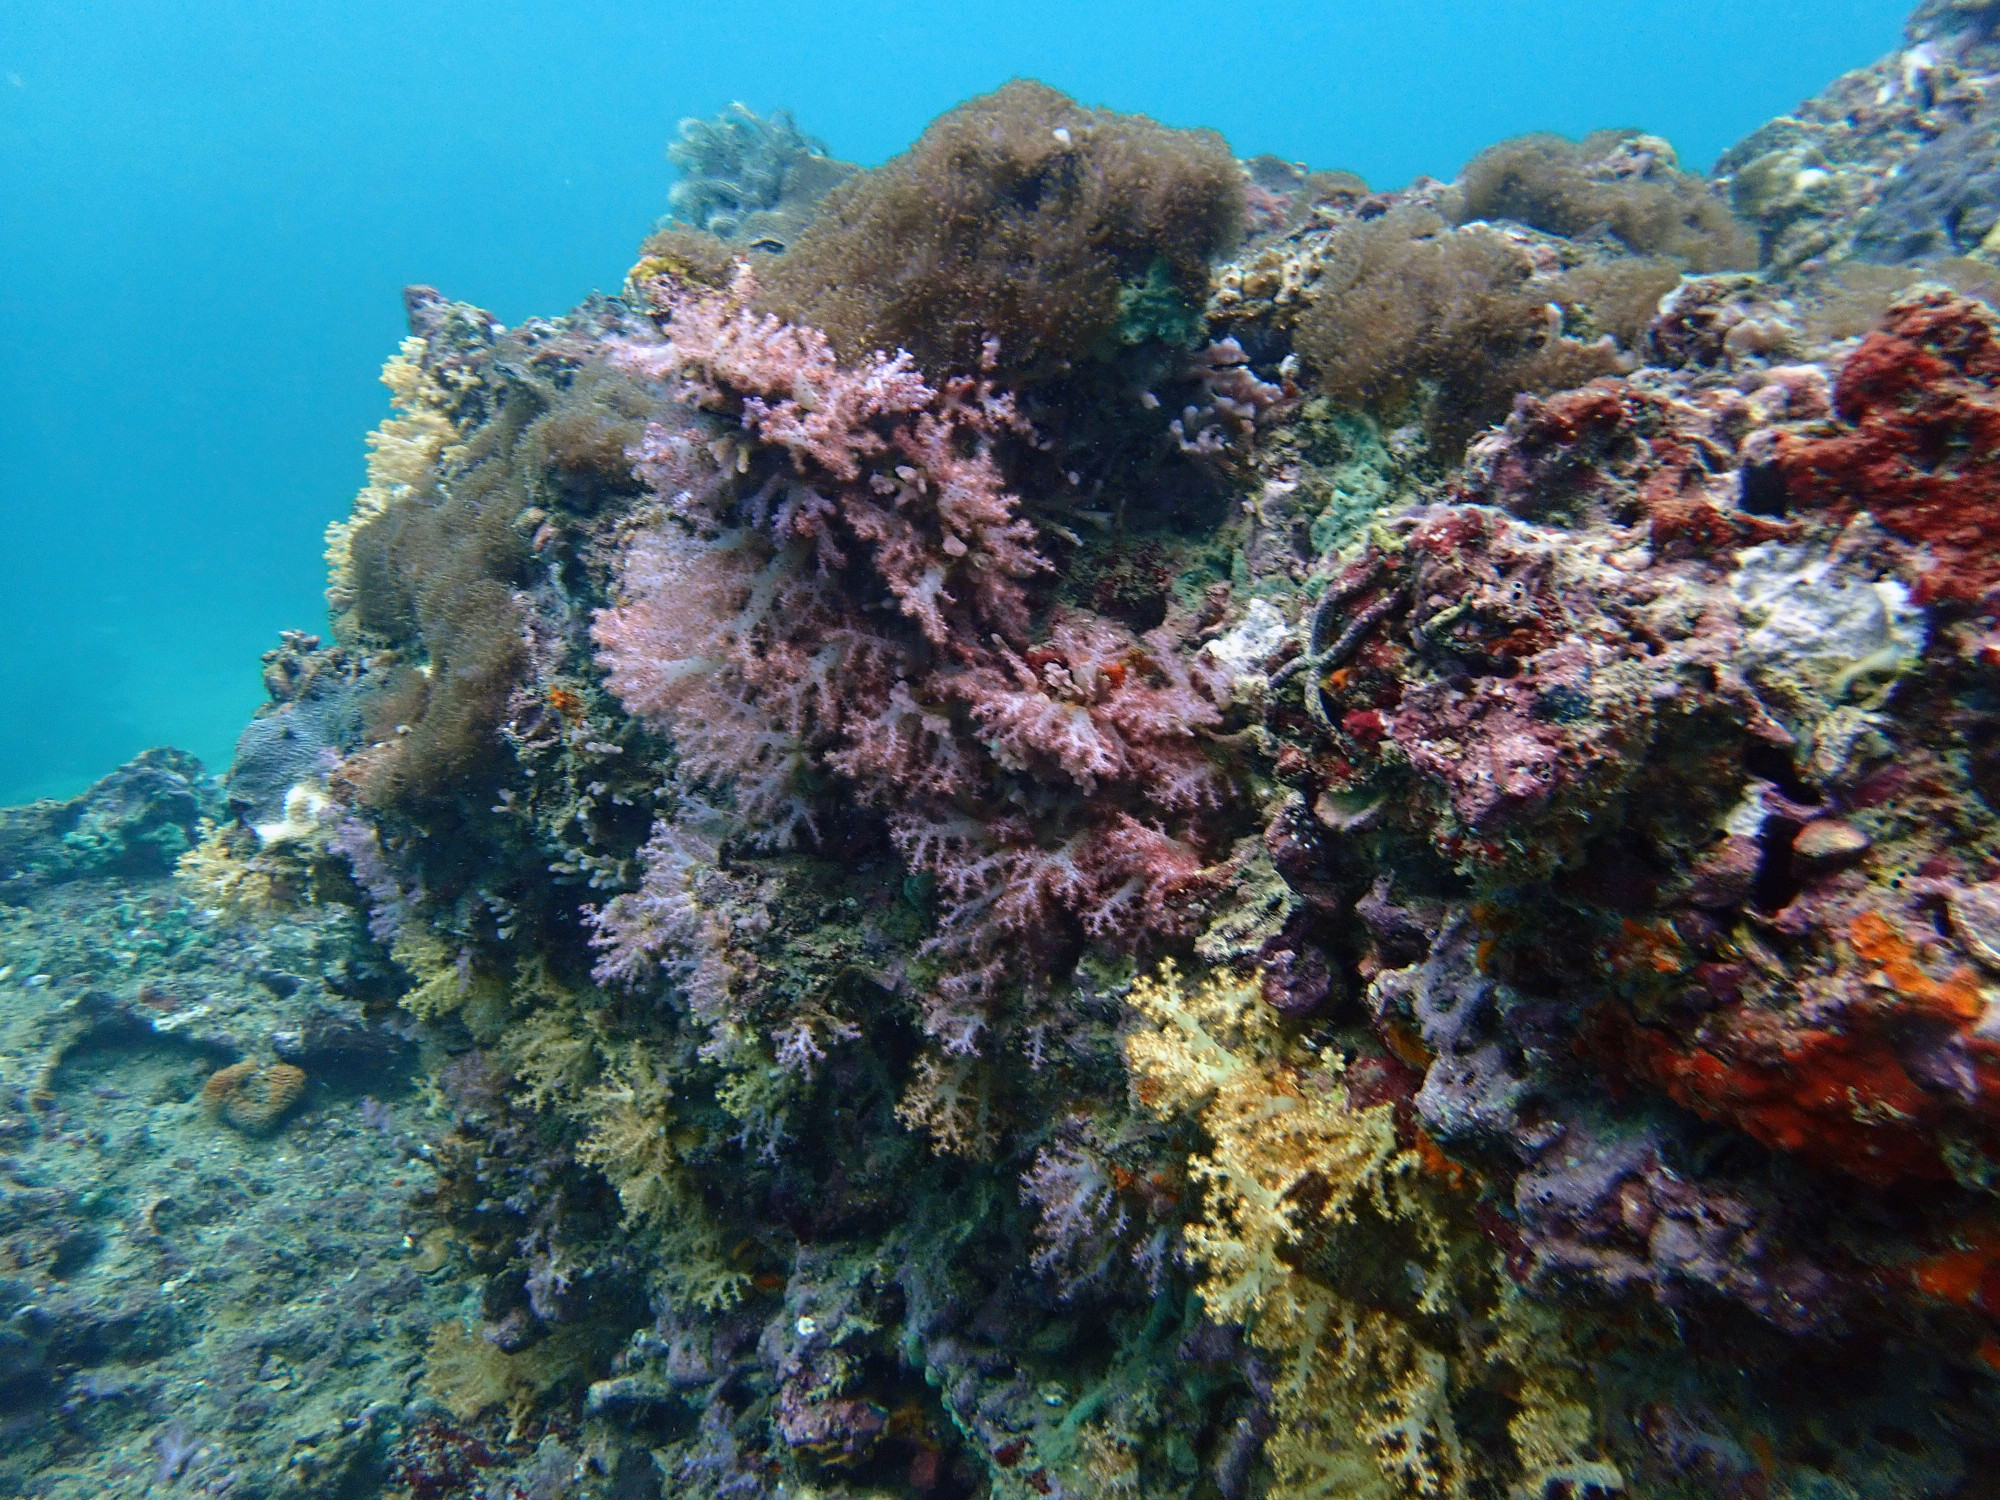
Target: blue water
pixel 207 210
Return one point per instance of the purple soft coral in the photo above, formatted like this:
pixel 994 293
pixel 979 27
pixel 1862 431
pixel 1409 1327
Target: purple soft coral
pixel 1055 790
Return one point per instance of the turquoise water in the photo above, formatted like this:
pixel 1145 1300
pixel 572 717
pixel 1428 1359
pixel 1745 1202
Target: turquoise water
pixel 210 208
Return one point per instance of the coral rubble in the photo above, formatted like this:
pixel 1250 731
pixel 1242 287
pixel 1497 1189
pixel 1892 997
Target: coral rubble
pixel 1089 821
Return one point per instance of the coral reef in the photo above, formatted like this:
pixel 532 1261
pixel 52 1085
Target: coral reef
pixel 953 849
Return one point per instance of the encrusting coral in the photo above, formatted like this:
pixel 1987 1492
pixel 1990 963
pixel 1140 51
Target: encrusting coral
pixel 1918 402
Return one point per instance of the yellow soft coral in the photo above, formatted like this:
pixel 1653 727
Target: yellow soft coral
pixel 444 981
pixel 567 1058
pixel 1306 1196
pixel 555 1053
pixel 231 883
pixel 401 452
pixel 636 1140
pixel 947 1098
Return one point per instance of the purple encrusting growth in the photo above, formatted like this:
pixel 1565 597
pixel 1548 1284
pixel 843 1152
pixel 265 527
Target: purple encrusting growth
pixel 389 904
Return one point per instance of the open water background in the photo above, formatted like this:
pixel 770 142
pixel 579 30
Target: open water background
pixel 208 210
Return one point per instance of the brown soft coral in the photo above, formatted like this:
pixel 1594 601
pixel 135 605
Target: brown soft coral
pixel 1454 322
pixel 1020 216
pixel 1615 183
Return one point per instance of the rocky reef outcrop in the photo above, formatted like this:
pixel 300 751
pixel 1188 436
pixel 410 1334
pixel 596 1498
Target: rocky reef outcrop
pixel 1350 852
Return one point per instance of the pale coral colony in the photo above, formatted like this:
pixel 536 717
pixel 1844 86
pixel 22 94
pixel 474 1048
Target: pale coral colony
pixel 1075 818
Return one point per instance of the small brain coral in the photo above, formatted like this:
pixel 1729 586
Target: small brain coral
pixel 253 1094
pixel 1020 216
pixel 1616 184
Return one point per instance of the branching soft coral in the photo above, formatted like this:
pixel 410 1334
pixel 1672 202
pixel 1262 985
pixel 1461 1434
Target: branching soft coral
pixel 1300 1181
pixel 665 919
pixel 1094 704
pixel 1283 1152
pixel 1081 1217
pixel 681 920
pixel 633 1130
pixel 734 653
pixel 1092 743
pixel 949 1099
pixel 881 462
pixel 744 625
pixel 1102 1201
pixel 1010 893
pixel 836 582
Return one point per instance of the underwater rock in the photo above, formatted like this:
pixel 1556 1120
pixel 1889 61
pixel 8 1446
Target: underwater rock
pixel 1857 170
pixel 1822 629
pixel 1252 640
pixel 1944 202
pixel 1603 1206
pixel 1918 445
pixel 1723 322
pixel 315 717
pixel 1975 917
pixel 340 1037
pixel 137 821
pixel 1827 844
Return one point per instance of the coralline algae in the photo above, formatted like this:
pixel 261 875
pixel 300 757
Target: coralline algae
pixel 1384 887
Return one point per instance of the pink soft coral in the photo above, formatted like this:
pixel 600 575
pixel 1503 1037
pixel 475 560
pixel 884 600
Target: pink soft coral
pixel 783 381
pixel 665 923
pixel 838 581
pixel 705 643
pixel 881 462
pixel 1099 705
pixel 1015 896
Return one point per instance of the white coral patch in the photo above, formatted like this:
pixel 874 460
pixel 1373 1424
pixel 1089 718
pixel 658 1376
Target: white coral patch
pixel 300 819
pixel 1261 632
pixel 1812 619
